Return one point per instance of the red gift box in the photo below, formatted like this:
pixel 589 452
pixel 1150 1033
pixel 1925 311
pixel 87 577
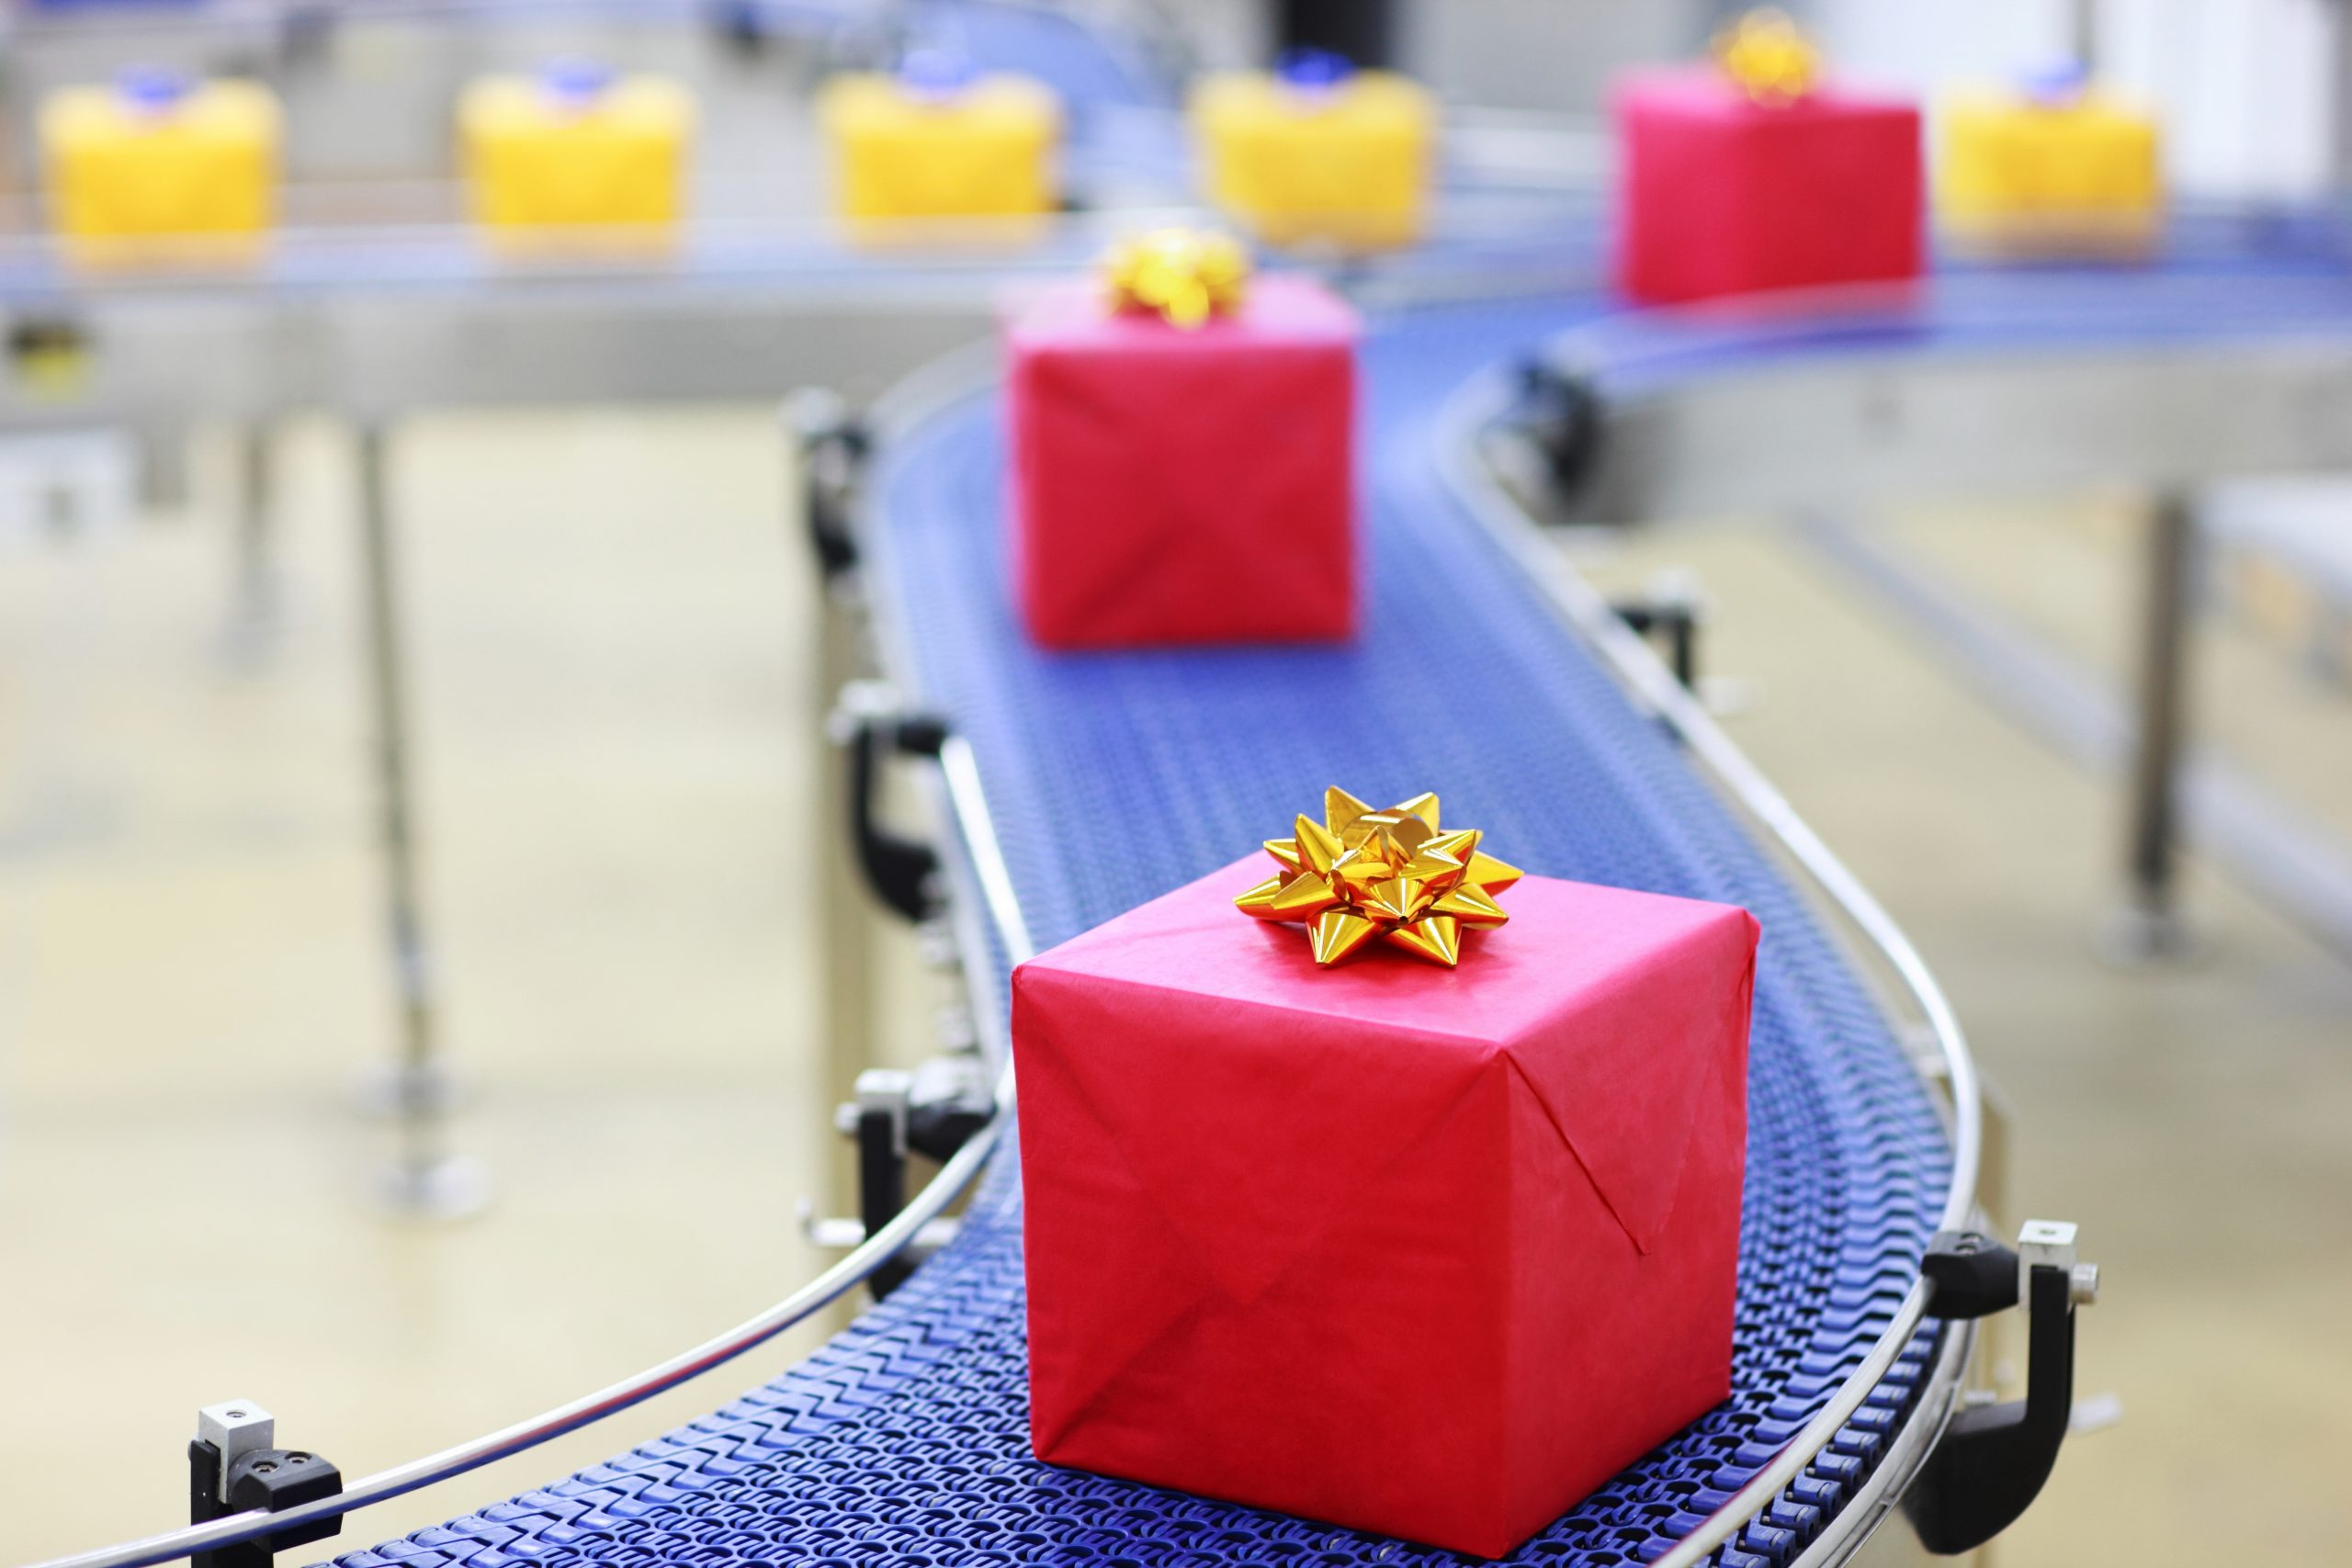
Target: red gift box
pixel 1428 1252
pixel 1718 194
pixel 1175 485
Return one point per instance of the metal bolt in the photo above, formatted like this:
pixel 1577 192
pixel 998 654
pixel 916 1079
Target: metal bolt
pixel 234 1428
pixel 2083 1284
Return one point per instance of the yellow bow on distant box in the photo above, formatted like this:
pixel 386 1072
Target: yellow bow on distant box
pixel 1768 55
pixel 1361 874
pixel 1185 274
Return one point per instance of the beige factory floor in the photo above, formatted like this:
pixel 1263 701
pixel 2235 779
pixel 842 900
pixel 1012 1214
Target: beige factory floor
pixel 617 765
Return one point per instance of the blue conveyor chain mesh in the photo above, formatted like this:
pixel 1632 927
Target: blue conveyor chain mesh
pixel 905 1439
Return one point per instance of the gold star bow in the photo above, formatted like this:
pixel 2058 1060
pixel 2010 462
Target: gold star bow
pixel 1185 275
pixel 1767 54
pixel 1361 874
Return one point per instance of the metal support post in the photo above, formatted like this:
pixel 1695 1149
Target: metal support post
pixel 423 1179
pixel 2083 30
pixel 253 606
pixel 162 467
pixel 2151 928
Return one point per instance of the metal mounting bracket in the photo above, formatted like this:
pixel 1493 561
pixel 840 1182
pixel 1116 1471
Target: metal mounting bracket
pixel 1669 612
pixel 1561 415
pixel 903 872
pixel 234 1467
pixel 932 1111
pixel 1991 1460
pixel 834 444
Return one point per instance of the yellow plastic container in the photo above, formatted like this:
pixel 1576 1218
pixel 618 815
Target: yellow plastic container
pixel 155 168
pixel 574 150
pixel 2084 170
pixel 1348 162
pixel 984 150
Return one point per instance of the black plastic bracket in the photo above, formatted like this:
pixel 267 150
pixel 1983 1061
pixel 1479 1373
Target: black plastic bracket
pixel 269 1480
pixel 903 872
pixel 1561 413
pixel 832 452
pixel 1991 1460
pixel 882 1169
pixel 1674 622
pixel 931 1111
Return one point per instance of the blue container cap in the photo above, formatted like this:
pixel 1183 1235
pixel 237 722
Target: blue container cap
pixel 153 88
pixel 2056 82
pixel 575 79
pixel 1313 69
pixel 937 73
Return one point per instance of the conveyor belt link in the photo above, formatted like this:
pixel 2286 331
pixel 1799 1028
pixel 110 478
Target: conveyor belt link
pixel 906 1438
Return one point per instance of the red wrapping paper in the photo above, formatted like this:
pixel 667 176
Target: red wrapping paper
pixel 1182 486
pixel 1718 194
pixel 1428 1252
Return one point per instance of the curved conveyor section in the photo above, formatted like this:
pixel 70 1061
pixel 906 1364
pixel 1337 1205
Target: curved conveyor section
pixel 1112 779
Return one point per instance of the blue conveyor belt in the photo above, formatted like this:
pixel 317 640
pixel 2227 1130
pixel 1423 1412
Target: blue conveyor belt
pixel 905 1439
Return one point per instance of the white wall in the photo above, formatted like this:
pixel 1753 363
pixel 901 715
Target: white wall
pixel 2243 86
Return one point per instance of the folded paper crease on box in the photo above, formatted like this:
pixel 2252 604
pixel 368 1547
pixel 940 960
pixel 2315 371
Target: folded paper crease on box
pixel 1421 1251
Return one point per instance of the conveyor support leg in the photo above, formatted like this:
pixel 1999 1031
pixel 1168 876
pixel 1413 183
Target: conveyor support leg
pixel 254 608
pixel 424 1178
pixel 2152 929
